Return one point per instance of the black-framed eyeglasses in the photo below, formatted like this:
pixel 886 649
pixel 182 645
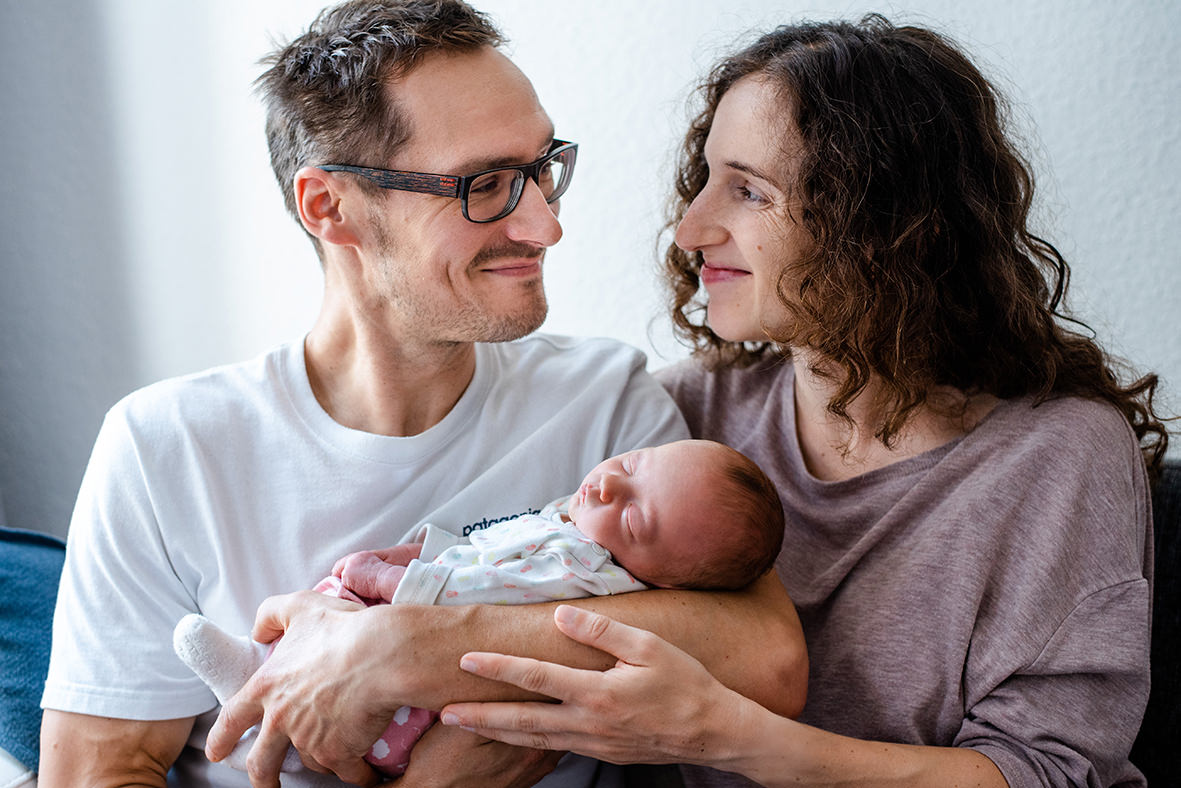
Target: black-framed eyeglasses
pixel 487 195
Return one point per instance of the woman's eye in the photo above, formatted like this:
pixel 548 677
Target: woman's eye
pixel 748 194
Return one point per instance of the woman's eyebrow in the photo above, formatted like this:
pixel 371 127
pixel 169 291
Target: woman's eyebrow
pixel 749 170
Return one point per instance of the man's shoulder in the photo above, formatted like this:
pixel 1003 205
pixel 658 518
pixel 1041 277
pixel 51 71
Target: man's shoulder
pixel 545 361
pixel 212 392
pixel 540 348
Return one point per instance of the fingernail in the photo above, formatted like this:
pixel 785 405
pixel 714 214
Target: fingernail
pixel 467 664
pixel 565 613
pixel 449 719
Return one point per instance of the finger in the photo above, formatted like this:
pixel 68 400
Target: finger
pixel 401 554
pixel 234 719
pixel 275 613
pixel 312 764
pixel 272 617
pixel 523 724
pixel 357 773
pixel 266 757
pixel 627 643
pixel 545 678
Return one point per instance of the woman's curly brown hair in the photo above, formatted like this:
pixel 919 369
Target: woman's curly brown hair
pixel 923 272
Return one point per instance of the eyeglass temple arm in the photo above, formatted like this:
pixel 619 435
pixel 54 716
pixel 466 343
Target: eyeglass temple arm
pixel 421 182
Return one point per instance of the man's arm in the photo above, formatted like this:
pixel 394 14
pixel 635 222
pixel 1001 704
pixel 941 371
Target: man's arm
pixel 77 749
pixel 339 673
pixel 750 640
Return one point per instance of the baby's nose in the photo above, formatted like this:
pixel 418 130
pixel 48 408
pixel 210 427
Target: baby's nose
pixel 608 487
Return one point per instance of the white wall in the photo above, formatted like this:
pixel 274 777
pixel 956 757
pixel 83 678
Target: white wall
pixel 143 236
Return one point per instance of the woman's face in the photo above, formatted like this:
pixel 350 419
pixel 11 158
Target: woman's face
pixel 741 222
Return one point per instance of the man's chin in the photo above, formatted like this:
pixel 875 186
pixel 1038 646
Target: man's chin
pixel 506 329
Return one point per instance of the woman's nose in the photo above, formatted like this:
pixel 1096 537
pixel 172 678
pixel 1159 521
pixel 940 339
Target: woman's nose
pixel 699 227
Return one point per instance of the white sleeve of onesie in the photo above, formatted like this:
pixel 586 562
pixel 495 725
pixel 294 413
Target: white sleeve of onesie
pixel 554 569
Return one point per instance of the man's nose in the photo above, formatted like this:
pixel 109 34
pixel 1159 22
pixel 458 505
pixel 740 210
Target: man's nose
pixel 534 221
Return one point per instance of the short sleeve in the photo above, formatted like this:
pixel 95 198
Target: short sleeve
pixel 119 599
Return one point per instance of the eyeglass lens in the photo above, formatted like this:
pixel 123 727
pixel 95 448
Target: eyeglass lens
pixel 495 194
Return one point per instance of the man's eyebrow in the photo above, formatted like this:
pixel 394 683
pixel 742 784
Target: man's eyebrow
pixel 479 165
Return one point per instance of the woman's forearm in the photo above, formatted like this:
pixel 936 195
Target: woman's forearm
pixel 775 751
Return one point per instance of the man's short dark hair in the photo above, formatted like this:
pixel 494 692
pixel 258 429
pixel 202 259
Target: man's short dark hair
pixel 324 91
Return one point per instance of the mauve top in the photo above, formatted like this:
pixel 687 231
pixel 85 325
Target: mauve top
pixel 993 593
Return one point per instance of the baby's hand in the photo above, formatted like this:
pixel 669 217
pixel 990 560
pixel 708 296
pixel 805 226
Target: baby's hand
pixel 398 555
pixel 375 574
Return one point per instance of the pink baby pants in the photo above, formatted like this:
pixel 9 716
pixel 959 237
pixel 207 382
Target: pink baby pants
pixel 391 753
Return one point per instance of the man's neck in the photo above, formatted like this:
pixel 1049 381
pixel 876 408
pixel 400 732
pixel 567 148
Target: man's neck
pixel 369 379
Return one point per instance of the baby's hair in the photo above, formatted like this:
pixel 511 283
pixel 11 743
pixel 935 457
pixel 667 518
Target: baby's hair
pixel 752 516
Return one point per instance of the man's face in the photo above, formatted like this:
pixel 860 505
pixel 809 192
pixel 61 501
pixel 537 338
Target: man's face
pixel 432 274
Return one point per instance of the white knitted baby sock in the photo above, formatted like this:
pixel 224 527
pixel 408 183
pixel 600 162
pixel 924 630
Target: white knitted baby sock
pixel 224 662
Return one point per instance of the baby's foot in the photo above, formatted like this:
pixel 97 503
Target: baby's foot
pixel 225 663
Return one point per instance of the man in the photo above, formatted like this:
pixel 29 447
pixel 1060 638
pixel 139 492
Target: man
pixel 212 492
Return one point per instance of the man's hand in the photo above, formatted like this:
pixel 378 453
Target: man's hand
pixel 453 758
pixel 314 692
pixel 657 705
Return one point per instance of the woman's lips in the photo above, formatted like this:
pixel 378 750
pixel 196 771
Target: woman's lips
pixel 715 274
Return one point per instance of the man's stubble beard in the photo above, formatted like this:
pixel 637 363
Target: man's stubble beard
pixel 461 321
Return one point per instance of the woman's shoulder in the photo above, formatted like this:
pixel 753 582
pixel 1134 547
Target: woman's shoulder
pixel 1072 428
pixel 1077 458
pixel 696 384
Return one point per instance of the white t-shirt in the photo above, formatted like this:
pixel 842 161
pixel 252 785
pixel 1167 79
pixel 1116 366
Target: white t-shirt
pixel 210 492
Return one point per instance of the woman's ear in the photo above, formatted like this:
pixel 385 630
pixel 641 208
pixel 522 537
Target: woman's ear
pixel 319 198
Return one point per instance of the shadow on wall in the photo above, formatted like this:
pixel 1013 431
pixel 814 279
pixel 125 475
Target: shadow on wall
pixel 66 333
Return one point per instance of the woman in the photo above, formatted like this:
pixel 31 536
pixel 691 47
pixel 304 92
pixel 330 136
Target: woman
pixel 963 475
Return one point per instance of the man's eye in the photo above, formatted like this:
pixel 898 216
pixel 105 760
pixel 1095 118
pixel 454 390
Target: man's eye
pixel 487 184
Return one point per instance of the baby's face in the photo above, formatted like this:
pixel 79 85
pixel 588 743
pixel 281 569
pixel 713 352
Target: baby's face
pixel 646 506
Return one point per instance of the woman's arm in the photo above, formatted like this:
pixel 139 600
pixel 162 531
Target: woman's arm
pixel 657 705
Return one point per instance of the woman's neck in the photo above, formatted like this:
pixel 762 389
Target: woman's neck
pixel 833 449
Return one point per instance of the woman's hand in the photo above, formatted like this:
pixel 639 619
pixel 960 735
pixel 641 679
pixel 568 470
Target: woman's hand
pixel 656 705
pixel 316 692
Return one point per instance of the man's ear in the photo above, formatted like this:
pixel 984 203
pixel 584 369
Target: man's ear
pixel 319 198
